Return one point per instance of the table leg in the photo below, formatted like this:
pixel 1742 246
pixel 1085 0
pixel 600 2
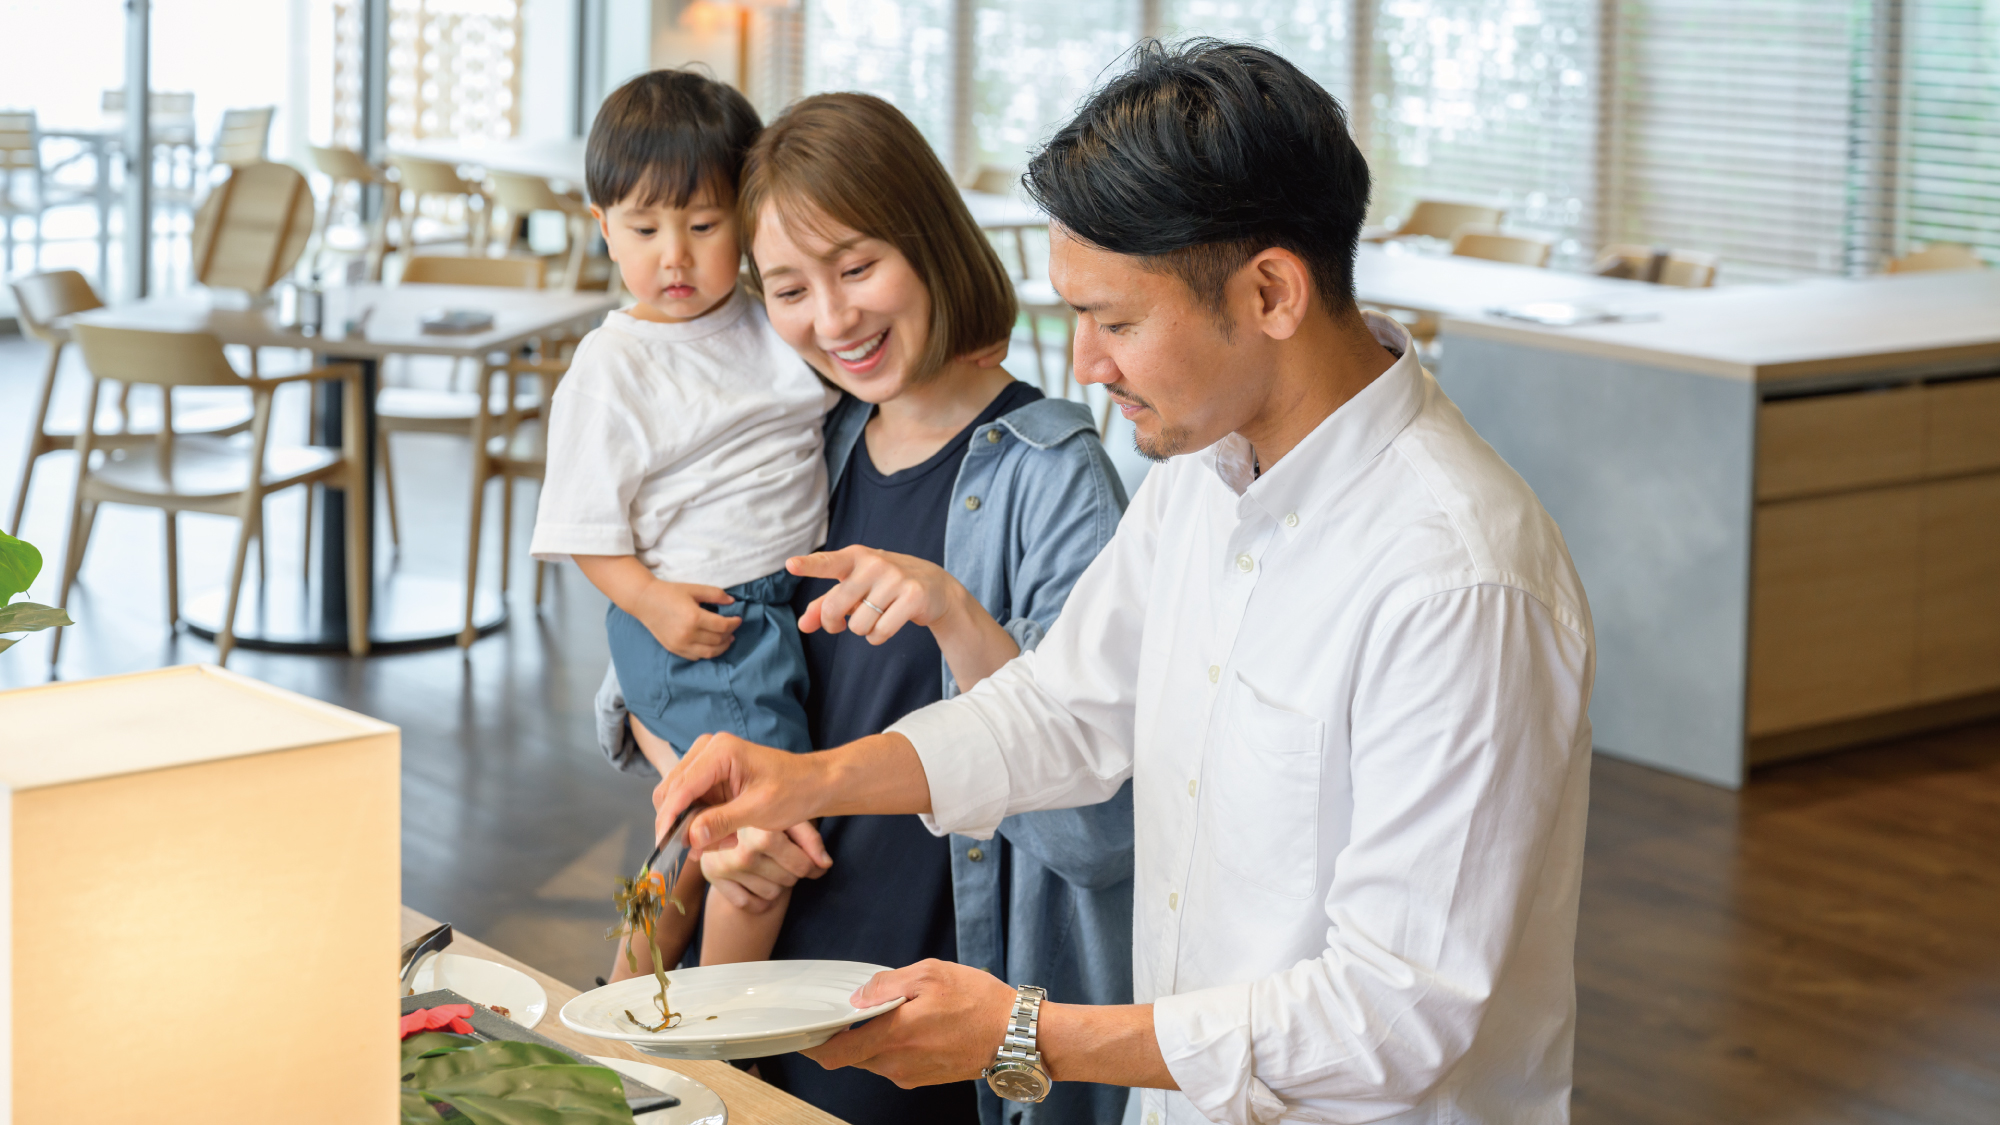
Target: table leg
pixel 333 501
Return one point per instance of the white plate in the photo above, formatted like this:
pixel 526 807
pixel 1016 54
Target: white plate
pixel 484 982
pixel 743 1011
pixel 699 1105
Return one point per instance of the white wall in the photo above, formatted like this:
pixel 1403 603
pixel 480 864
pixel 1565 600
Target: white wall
pixel 548 68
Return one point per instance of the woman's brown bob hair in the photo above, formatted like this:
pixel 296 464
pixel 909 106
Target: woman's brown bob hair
pixel 854 161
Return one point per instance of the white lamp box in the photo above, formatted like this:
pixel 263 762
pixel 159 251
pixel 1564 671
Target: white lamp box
pixel 199 915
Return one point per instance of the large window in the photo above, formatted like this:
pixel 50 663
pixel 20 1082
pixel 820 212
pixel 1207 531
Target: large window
pixel 898 50
pixel 1952 177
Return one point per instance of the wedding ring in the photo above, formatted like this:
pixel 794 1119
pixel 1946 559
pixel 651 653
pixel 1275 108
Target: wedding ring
pixel 871 605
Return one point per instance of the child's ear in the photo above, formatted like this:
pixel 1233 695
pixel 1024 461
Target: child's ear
pixel 603 225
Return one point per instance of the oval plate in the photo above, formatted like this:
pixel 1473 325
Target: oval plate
pixel 743 1011
pixel 485 982
pixel 699 1105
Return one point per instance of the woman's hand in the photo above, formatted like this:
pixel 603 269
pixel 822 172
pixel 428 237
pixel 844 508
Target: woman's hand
pixel 878 593
pixel 752 874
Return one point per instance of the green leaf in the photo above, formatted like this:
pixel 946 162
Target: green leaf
pixel 7 643
pixel 426 1041
pixel 416 1110
pixel 511 1083
pixel 557 1109
pixel 19 563
pixel 27 617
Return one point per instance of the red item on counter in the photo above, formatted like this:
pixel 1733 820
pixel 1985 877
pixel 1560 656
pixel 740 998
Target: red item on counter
pixel 444 1017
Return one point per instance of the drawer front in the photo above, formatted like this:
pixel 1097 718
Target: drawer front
pixel 1831 443
pixel 1833 620
pixel 1958 634
pixel 1962 433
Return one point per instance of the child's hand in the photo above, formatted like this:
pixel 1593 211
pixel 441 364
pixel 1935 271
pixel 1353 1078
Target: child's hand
pixel 677 615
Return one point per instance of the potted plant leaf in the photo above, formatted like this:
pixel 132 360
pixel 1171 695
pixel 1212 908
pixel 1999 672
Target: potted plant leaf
pixel 19 564
pixel 449 1077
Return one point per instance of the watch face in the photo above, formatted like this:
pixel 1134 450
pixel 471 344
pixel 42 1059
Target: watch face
pixel 1018 1082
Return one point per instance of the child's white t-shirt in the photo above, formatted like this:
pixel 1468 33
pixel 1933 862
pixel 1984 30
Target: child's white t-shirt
pixel 695 446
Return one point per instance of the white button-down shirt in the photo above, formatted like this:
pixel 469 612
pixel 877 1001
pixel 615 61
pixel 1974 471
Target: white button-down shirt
pixel 1352 696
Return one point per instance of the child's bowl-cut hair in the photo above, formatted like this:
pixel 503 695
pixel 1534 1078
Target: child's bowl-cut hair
pixel 666 135
pixel 856 161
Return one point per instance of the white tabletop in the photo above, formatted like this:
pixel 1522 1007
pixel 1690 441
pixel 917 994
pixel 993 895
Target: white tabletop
pixel 392 323
pixel 560 159
pixel 1825 329
pixel 1400 277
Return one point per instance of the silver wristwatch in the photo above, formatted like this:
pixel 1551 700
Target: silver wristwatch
pixel 1017 1073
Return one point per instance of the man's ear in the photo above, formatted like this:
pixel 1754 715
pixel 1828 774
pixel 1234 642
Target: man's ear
pixel 1283 285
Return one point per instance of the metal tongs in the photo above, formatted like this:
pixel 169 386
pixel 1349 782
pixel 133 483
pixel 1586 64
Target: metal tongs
pixel 413 953
pixel 672 850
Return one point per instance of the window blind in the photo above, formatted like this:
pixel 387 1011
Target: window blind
pixel 1491 101
pixel 1033 62
pixel 1316 35
pixel 1952 172
pixel 898 50
pixel 1734 130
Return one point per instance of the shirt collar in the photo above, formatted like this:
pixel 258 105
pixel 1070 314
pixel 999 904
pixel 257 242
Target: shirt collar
pixel 1352 435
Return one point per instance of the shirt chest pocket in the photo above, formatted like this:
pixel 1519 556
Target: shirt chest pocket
pixel 1262 779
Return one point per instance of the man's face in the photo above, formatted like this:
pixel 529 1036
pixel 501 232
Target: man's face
pixel 1158 350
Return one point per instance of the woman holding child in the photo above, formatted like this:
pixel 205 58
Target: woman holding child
pixel 956 500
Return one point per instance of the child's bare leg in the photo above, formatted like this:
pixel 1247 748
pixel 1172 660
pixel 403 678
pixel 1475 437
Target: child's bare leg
pixel 734 934
pixel 657 750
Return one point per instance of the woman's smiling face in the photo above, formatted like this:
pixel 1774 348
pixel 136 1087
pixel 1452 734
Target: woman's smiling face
pixel 851 305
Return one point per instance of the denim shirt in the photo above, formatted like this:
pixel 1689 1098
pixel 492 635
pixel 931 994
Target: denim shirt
pixel 1036 499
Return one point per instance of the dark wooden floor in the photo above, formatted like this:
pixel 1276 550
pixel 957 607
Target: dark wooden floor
pixel 1823 947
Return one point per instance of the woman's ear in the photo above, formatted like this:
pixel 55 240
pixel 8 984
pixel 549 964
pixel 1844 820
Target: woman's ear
pixel 991 356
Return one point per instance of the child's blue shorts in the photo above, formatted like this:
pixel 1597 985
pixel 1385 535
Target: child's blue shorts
pixel 756 690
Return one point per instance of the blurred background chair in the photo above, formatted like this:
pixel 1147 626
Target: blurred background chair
pixel 172 114
pixel 417 410
pixel 512 446
pixel 1036 297
pixel 344 167
pixel 45 301
pixel 21 168
pixel 1938 256
pixel 253 228
pixel 440 182
pixel 516 196
pixel 1439 218
pixel 1476 242
pixel 243 138
pixel 204 473
pixel 1686 269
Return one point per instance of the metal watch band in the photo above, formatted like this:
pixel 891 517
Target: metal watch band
pixel 1021 1025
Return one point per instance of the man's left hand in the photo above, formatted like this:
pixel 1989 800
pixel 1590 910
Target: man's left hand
pixel 948 1028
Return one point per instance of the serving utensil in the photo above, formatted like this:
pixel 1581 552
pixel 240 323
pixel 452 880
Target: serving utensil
pixel 672 850
pixel 413 953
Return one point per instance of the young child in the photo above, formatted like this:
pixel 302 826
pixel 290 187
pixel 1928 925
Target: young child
pixel 684 446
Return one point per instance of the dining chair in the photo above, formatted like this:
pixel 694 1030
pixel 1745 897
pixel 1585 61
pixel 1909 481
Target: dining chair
pixel 510 445
pixel 21 161
pixel 203 473
pixel 515 196
pixel 1938 256
pixel 344 167
pixel 434 179
pixel 45 300
pixel 1686 269
pixel 253 228
pixel 243 137
pixel 1439 218
pixel 408 410
pixel 1475 242
pixel 172 127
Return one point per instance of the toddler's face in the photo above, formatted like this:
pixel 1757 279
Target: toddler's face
pixel 680 262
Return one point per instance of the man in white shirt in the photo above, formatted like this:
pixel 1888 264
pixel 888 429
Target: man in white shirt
pixel 1336 643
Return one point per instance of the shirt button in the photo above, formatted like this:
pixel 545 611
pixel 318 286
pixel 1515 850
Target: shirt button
pixel 1173 900
pixel 993 436
pixel 1291 519
pixel 1245 563
pixel 1153 1119
pixel 1190 788
pixel 972 503
pixel 1214 673
pixel 975 855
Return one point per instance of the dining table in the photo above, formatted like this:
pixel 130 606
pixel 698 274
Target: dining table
pixel 361 325
pixel 749 1100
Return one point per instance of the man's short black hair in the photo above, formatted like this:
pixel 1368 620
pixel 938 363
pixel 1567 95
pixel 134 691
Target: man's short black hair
pixel 1201 156
pixel 664 136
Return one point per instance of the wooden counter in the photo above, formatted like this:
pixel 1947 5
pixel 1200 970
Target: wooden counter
pixel 1783 500
pixel 749 1100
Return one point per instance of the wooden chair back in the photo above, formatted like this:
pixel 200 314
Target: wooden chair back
pixel 243 138
pixel 995 179
pixel 1438 218
pixel 43 298
pixel 253 227
pixel 340 164
pixel 503 273
pixel 430 177
pixel 1685 269
pixel 521 194
pixel 1938 256
pixel 161 359
pixel 20 141
pixel 1472 242
pixel 172 113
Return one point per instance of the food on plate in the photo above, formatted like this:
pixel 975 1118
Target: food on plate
pixel 640 902
pixel 498 1010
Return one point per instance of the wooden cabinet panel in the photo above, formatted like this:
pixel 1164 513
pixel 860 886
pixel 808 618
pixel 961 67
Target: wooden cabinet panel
pixel 1958 631
pixel 1829 443
pixel 1833 618
pixel 1962 432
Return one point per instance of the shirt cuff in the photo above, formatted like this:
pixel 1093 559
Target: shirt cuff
pixel 963 765
pixel 556 542
pixel 1205 1039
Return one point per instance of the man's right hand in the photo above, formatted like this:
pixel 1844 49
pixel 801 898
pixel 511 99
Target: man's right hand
pixel 752 786
pixel 677 615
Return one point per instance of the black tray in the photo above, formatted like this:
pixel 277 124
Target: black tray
pixel 489 1024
